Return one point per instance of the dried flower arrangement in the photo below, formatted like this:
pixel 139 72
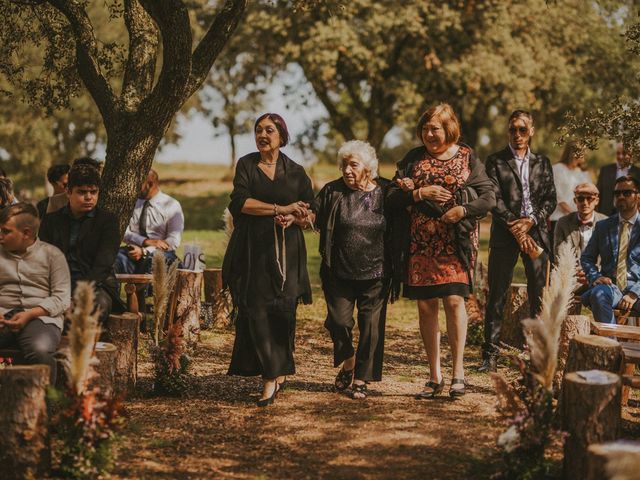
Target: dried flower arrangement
pixel 527 402
pixel 88 421
pixel 168 349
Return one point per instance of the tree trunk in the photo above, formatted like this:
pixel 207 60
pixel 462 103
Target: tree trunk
pixel 516 309
pixel 593 417
pixel 572 326
pixel 122 331
pixel 185 304
pixel 107 355
pixel 130 152
pixel 587 352
pixel 232 144
pixel 24 436
pixel 622 457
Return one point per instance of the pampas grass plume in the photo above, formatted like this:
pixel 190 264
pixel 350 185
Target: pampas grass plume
pixel 164 279
pixel 543 333
pixel 83 334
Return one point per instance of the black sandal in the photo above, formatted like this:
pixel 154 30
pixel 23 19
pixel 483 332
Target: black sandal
pixel 435 389
pixel 457 392
pixel 344 379
pixel 358 391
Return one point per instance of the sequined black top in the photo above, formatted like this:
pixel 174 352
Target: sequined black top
pixel 358 242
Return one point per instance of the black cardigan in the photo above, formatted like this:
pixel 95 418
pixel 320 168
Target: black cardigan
pixel 477 197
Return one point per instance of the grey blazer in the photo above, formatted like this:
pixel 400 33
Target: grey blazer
pixel 568 230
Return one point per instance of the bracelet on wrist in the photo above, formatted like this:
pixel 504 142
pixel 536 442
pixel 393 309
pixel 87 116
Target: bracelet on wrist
pixel 420 194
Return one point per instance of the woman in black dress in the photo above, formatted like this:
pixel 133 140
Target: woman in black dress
pixel 265 262
pixel 354 270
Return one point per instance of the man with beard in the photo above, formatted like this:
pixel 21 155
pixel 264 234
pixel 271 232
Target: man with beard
pixel 157 223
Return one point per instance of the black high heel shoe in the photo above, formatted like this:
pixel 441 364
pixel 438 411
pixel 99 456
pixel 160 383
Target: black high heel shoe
pixel 457 392
pixel 263 402
pixel 435 389
pixel 282 385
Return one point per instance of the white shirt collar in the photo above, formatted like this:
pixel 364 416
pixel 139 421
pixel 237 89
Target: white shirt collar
pixel 632 220
pixel 526 155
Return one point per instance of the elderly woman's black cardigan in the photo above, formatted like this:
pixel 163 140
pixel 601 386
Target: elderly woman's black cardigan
pixel 477 197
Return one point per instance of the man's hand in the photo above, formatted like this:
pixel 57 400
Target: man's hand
pixel 453 215
pixel 520 227
pixel 581 277
pixel 627 301
pixel 602 281
pixel 161 244
pixel 135 252
pixel 18 321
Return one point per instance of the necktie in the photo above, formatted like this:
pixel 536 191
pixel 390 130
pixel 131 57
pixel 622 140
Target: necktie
pixel 142 223
pixel 586 224
pixel 621 267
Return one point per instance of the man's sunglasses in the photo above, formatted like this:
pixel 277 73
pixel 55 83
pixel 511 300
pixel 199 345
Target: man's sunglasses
pixel 521 130
pixel 586 198
pixel 624 193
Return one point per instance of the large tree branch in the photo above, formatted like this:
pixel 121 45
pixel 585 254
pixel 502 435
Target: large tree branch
pixel 172 18
pixel 143 52
pixel 214 40
pixel 86 56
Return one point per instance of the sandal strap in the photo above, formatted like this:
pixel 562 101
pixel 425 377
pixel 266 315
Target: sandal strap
pixel 432 385
pixel 344 378
pixel 458 381
pixel 359 387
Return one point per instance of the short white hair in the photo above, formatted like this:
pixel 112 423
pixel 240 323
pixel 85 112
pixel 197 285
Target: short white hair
pixel 363 151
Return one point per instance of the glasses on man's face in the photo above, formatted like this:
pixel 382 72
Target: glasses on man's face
pixel 520 130
pixel 624 193
pixel 585 198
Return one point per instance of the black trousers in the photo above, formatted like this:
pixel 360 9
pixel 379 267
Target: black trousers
pixel 370 297
pixel 502 261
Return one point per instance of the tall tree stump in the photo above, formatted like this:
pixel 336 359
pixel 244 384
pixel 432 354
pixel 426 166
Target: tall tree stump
pixel 185 304
pixel 572 326
pixel 516 309
pixel 588 352
pixel 24 437
pixel 607 460
pixel 591 415
pixel 214 294
pixel 107 354
pixel 122 331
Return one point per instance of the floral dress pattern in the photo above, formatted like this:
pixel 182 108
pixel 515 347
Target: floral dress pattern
pixel 432 251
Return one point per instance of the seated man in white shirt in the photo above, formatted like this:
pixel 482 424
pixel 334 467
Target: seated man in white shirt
pixel 35 288
pixel 157 223
pixel 576 228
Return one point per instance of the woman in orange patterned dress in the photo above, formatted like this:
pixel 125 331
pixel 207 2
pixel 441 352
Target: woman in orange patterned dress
pixel 440 191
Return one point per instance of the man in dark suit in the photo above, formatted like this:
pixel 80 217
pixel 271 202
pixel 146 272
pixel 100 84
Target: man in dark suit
pixel 525 197
pixel 88 236
pixel 607 178
pixel 616 242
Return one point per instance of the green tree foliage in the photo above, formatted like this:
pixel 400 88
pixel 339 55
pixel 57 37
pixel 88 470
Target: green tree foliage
pixel 138 81
pixel 378 64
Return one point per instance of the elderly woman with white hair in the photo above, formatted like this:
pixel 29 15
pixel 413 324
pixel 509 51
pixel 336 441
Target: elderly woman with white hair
pixel 355 269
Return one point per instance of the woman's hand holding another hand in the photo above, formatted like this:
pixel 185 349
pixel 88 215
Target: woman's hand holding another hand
pixel 435 193
pixel 453 215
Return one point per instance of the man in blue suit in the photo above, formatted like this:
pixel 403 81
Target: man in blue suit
pixel 616 241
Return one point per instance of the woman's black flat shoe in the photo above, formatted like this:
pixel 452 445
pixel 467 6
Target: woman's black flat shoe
pixel 344 379
pixel 431 389
pixel 263 402
pixel 457 392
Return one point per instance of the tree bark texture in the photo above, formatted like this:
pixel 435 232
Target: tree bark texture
pixel 516 309
pixel 587 352
pixel 122 331
pixel 593 417
pixel 605 460
pixel 24 437
pixel 107 356
pixel 572 326
pixel 214 294
pixel 185 304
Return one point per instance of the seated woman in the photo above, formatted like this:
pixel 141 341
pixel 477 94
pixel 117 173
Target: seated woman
pixel 355 270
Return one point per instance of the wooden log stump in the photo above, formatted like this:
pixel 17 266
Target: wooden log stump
pixel 572 326
pixel 588 352
pixel 591 415
pixel 24 437
pixel 122 331
pixel 214 294
pixel 106 368
pixel 613 459
pixel 185 304
pixel 516 309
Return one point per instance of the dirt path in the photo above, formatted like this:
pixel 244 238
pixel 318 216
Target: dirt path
pixel 312 432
